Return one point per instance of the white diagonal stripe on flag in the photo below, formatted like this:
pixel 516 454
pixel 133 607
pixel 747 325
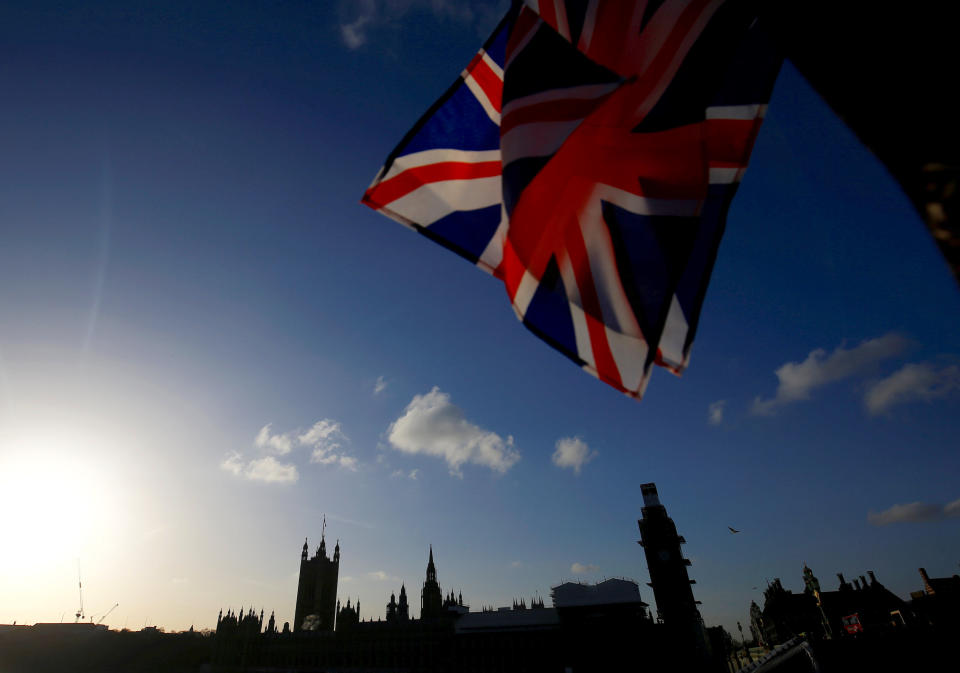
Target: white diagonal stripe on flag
pixel 427 157
pixel 481 97
pixel 433 201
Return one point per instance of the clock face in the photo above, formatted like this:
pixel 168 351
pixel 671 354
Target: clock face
pixel 664 555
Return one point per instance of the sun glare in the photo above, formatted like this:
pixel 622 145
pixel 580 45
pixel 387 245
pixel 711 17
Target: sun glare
pixel 54 498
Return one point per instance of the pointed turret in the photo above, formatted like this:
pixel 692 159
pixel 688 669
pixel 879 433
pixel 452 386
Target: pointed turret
pixel 322 552
pixel 306 550
pixel 403 608
pixel 392 608
pixel 431 597
pixel 431 568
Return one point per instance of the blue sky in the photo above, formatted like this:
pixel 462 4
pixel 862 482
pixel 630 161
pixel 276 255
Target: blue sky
pixel 184 263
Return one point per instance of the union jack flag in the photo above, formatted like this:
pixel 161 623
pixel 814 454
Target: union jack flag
pixel 587 156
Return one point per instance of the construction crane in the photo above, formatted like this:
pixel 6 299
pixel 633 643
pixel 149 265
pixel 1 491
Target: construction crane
pixel 79 613
pixel 105 614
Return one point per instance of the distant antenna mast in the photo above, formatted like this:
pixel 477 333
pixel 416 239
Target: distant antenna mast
pixel 80 614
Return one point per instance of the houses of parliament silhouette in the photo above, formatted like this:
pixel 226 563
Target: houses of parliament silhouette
pixel 588 627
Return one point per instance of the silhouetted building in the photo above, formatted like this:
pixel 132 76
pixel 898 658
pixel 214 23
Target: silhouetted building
pixel 786 614
pixel 392 609
pixel 317 588
pixel 347 617
pixel 610 592
pixel 864 607
pixel 854 608
pixel 403 607
pixel 756 624
pixel 676 605
pixel 242 624
pixel 431 597
pixel 272 624
pixel 938 603
pixel 590 627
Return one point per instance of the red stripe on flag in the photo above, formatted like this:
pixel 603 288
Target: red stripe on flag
pixel 731 139
pixel 611 24
pixel 548 12
pixel 413 178
pixel 602 356
pixel 510 270
pixel 487 79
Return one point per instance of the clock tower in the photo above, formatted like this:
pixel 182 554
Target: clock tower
pixel 668 573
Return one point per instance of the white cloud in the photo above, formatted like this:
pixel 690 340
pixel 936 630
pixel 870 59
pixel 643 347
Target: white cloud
pixel 233 464
pixel 582 569
pixel 432 425
pixel 353 33
pixel 572 452
pixel 400 474
pixel 281 445
pixel 414 474
pixel 911 382
pixel 516 564
pixel 915 512
pixel 267 469
pixel 381 576
pixel 348 463
pixel 715 412
pixel 326 437
pixel 798 379
pixel 323 433
pixel 379 386
pixel 371 14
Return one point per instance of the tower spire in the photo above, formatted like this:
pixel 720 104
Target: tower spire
pixel 431 568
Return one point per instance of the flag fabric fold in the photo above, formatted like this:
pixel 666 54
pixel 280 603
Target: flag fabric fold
pixel 586 157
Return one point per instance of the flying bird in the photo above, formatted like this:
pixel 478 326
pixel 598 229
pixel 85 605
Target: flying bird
pixel 733 530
